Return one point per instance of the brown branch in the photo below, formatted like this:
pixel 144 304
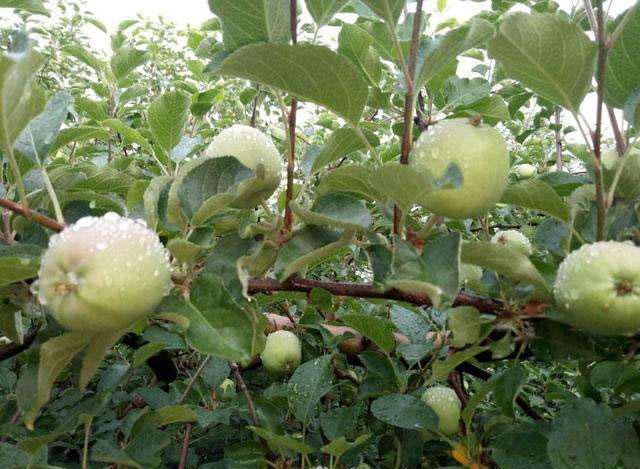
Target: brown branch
pixel 365 290
pixel 409 100
pixel 31 214
pixel 291 160
pixel 621 144
pixel 184 452
pixel 485 376
pixel 13 349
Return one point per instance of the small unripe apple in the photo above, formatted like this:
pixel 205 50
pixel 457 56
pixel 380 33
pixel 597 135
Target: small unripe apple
pixel 525 171
pixel 513 239
pixel 102 274
pixel 598 288
pixel 482 157
pixel 445 403
pixel 282 352
pixel 629 184
pixel 257 152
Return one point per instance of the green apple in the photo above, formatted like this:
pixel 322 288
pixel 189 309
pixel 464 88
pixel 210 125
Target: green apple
pixel 482 157
pixel 629 184
pixel 598 288
pixel 102 274
pixel 257 152
pixel 445 403
pixel 525 171
pixel 282 352
pixel 513 239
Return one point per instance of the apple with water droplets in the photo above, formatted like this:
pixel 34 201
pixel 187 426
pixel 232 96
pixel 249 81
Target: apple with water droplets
pixel 257 152
pixel 480 154
pixel 525 171
pixel 101 274
pixel 513 239
pixel 445 403
pixel 282 353
pixel 597 288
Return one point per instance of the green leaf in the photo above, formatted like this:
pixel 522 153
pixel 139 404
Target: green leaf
pixel 411 273
pixel 388 10
pixel 323 10
pixel 442 368
pixel 174 414
pixel 523 44
pixel 351 179
pixel 11 323
pixel 336 210
pixel 373 328
pixel 404 411
pixel 20 100
pixel 36 140
pixel 441 256
pixel 356 44
pixel 217 325
pixel 401 183
pixel 586 435
pixel 151 200
pixel 309 247
pixel 18 262
pixel 314 73
pixel 167 117
pixel 622 79
pixel 185 251
pixel 308 384
pixel 206 186
pixel 437 56
pixel 522 446
pixel 77 134
pixel 536 195
pixel 508 385
pixel 32 6
pixel 282 444
pixel 126 60
pixel 94 354
pixel 128 134
pixel 341 142
pixel 504 261
pixel 465 324
pixel 338 447
pixel 251 21
pixel 147 351
pixel 55 355
pixel 84 56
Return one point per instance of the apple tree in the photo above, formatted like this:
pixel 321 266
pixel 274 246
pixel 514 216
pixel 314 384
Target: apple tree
pixel 321 233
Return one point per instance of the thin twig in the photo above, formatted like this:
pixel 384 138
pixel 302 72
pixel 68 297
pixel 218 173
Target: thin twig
pixel 13 349
pixel 409 100
pixel 242 386
pixel 28 213
pixel 621 144
pixel 184 452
